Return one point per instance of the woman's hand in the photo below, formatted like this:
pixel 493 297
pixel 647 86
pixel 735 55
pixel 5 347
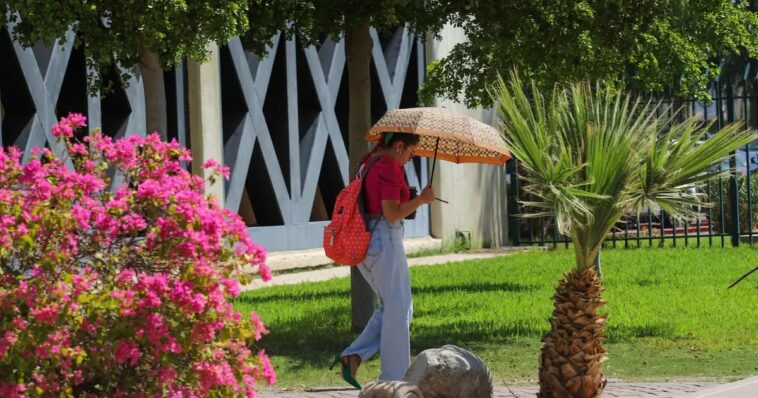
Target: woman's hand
pixel 427 195
pixel 394 210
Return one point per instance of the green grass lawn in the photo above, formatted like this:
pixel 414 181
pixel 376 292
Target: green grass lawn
pixel 670 315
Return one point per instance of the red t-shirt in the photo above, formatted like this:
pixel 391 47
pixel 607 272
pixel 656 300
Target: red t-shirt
pixel 385 181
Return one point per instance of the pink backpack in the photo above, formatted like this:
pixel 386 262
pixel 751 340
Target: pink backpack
pixel 346 238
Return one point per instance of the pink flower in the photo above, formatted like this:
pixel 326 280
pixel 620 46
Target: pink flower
pixel 224 171
pixel 258 326
pixel 210 163
pixel 268 371
pixel 181 291
pixel 21 230
pixel 62 130
pixel 166 375
pixel 126 276
pixel 132 223
pixel 214 374
pixel 7 341
pixel 217 168
pixel 158 283
pixel 12 390
pixel 151 300
pixel 146 271
pixel 126 301
pixel 75 120
pixel 80 215
pixel 231 286
pixel 19 323
pixel 265 272
pixel 46 314
pixel 78 149
pixel 149 189
pixel 127 351
pixel 206 331
pixel 198 302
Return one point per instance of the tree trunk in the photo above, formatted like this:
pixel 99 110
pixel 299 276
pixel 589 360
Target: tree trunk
pixel 572 351
pixel 358 53
pixel 587 251
pixel 155 92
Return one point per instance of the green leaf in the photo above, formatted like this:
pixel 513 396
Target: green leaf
pixel 593 154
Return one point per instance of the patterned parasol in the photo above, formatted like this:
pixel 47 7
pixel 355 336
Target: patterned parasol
pixel 445 135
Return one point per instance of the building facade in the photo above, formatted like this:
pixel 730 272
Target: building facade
pixel 279 122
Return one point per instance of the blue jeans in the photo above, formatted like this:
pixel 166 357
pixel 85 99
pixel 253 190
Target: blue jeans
pixel 386 270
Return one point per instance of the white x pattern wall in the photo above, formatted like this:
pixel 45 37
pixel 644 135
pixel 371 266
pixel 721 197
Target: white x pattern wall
pixel 284 120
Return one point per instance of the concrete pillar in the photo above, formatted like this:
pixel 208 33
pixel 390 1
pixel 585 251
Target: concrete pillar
pixel 206 136
pixel 477 193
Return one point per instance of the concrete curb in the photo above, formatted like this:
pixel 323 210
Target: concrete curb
pixel 343 271
pixel 293 259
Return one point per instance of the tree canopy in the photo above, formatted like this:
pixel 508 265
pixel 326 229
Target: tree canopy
pixel 311 20
pixel 648 45
pixel 114 32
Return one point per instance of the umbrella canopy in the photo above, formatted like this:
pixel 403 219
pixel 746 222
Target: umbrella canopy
pixel 445 135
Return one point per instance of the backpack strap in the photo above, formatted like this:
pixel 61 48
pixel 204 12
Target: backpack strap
pixel 363 173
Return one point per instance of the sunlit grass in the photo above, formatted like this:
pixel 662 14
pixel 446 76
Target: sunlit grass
pixel 671 316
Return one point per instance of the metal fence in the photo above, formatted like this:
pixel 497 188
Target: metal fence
pixel 733 217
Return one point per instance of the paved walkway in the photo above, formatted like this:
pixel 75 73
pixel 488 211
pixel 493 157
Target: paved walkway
pixel 747 388
pixel 613 389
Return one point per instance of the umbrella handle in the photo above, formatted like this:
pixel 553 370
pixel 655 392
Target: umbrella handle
pixel 434 162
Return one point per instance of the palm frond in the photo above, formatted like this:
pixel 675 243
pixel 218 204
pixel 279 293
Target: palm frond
pixel 681 161
pixel 530 127
pixel 592 154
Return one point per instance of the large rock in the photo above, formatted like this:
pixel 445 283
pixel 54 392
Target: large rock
pixel 450 372
pixel 390 389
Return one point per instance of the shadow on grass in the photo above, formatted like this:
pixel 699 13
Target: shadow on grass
pixel 262 296
pixel 465 332
pixel 313 337
pixel 474 288
pixel 622 333
pixel 313 342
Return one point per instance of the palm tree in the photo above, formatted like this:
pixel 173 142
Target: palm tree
pixel 591 155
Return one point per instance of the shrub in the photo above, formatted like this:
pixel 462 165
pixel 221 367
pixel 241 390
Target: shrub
pixel 747 199
pixel 118 286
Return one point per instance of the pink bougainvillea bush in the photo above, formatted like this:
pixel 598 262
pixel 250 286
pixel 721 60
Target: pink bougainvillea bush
pixel 119 286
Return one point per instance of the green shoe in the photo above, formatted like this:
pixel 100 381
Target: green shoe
pixel 346 375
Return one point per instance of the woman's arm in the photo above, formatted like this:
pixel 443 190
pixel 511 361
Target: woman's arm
pixel 394 210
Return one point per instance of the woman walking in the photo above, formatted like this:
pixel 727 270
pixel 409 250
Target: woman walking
pixel 387 201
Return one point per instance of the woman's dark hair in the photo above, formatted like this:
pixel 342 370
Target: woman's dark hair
pixel 390 138
pixel 406 138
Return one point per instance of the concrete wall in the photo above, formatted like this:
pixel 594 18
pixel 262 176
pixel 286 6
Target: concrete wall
pixel 476 192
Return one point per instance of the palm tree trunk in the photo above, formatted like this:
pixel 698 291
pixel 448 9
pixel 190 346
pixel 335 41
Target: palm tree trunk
pixel 155 92
pixel 572 352
pixel 358 51
pixel 586 252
